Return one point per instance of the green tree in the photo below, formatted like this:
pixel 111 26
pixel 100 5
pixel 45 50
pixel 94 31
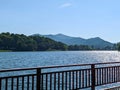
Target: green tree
pixel 44 44
pixel 79 47
pixel 118 46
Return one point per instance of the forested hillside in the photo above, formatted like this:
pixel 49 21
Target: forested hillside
pixel 118 46
pixel 21 42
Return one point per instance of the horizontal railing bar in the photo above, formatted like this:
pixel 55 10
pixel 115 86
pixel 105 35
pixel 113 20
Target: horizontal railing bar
pixel 82 88
pixel 78 65
pixel 114 88
pixel 66 71
pixel 17 69
pixel 106 63
pixel 106 83
pixel 17 76
pixel 107 67
pixel 57 66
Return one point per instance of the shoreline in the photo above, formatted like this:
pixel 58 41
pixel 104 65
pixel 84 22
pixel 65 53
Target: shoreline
pixel 54 50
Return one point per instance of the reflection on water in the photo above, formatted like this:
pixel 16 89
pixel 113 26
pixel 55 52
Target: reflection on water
pixel 36 59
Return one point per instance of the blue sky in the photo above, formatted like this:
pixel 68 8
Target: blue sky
pixel 79 18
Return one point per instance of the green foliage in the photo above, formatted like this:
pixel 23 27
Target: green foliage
pixel 118 46
pixel 20 42
pixel 79 47
pixel 48 44
pixel 5 51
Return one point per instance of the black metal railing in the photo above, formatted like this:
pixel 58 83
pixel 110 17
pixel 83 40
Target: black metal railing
pixel 66 77
pixel 114 88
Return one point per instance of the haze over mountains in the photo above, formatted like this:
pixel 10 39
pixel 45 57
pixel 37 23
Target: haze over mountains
pixel 96 42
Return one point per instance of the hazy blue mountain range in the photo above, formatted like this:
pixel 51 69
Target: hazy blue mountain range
pixel 95 42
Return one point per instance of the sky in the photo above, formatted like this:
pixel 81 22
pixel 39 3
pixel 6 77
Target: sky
pixel 78 18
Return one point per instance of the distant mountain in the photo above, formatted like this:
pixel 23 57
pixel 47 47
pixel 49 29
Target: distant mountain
pixel 98 42
pixel 66 39
pixel 95 42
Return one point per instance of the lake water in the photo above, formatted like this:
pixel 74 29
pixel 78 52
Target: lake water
pixel 35 59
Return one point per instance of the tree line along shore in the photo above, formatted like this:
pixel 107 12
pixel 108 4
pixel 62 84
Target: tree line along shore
pixel 21 42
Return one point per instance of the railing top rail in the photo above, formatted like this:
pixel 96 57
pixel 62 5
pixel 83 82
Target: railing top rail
pixel 106 63
pixel 57 66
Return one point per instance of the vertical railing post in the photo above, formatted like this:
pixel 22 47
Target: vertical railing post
pixel 38 83
pixel 93 76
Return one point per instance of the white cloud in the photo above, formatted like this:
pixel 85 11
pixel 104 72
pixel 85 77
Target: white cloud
pixel 65 5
